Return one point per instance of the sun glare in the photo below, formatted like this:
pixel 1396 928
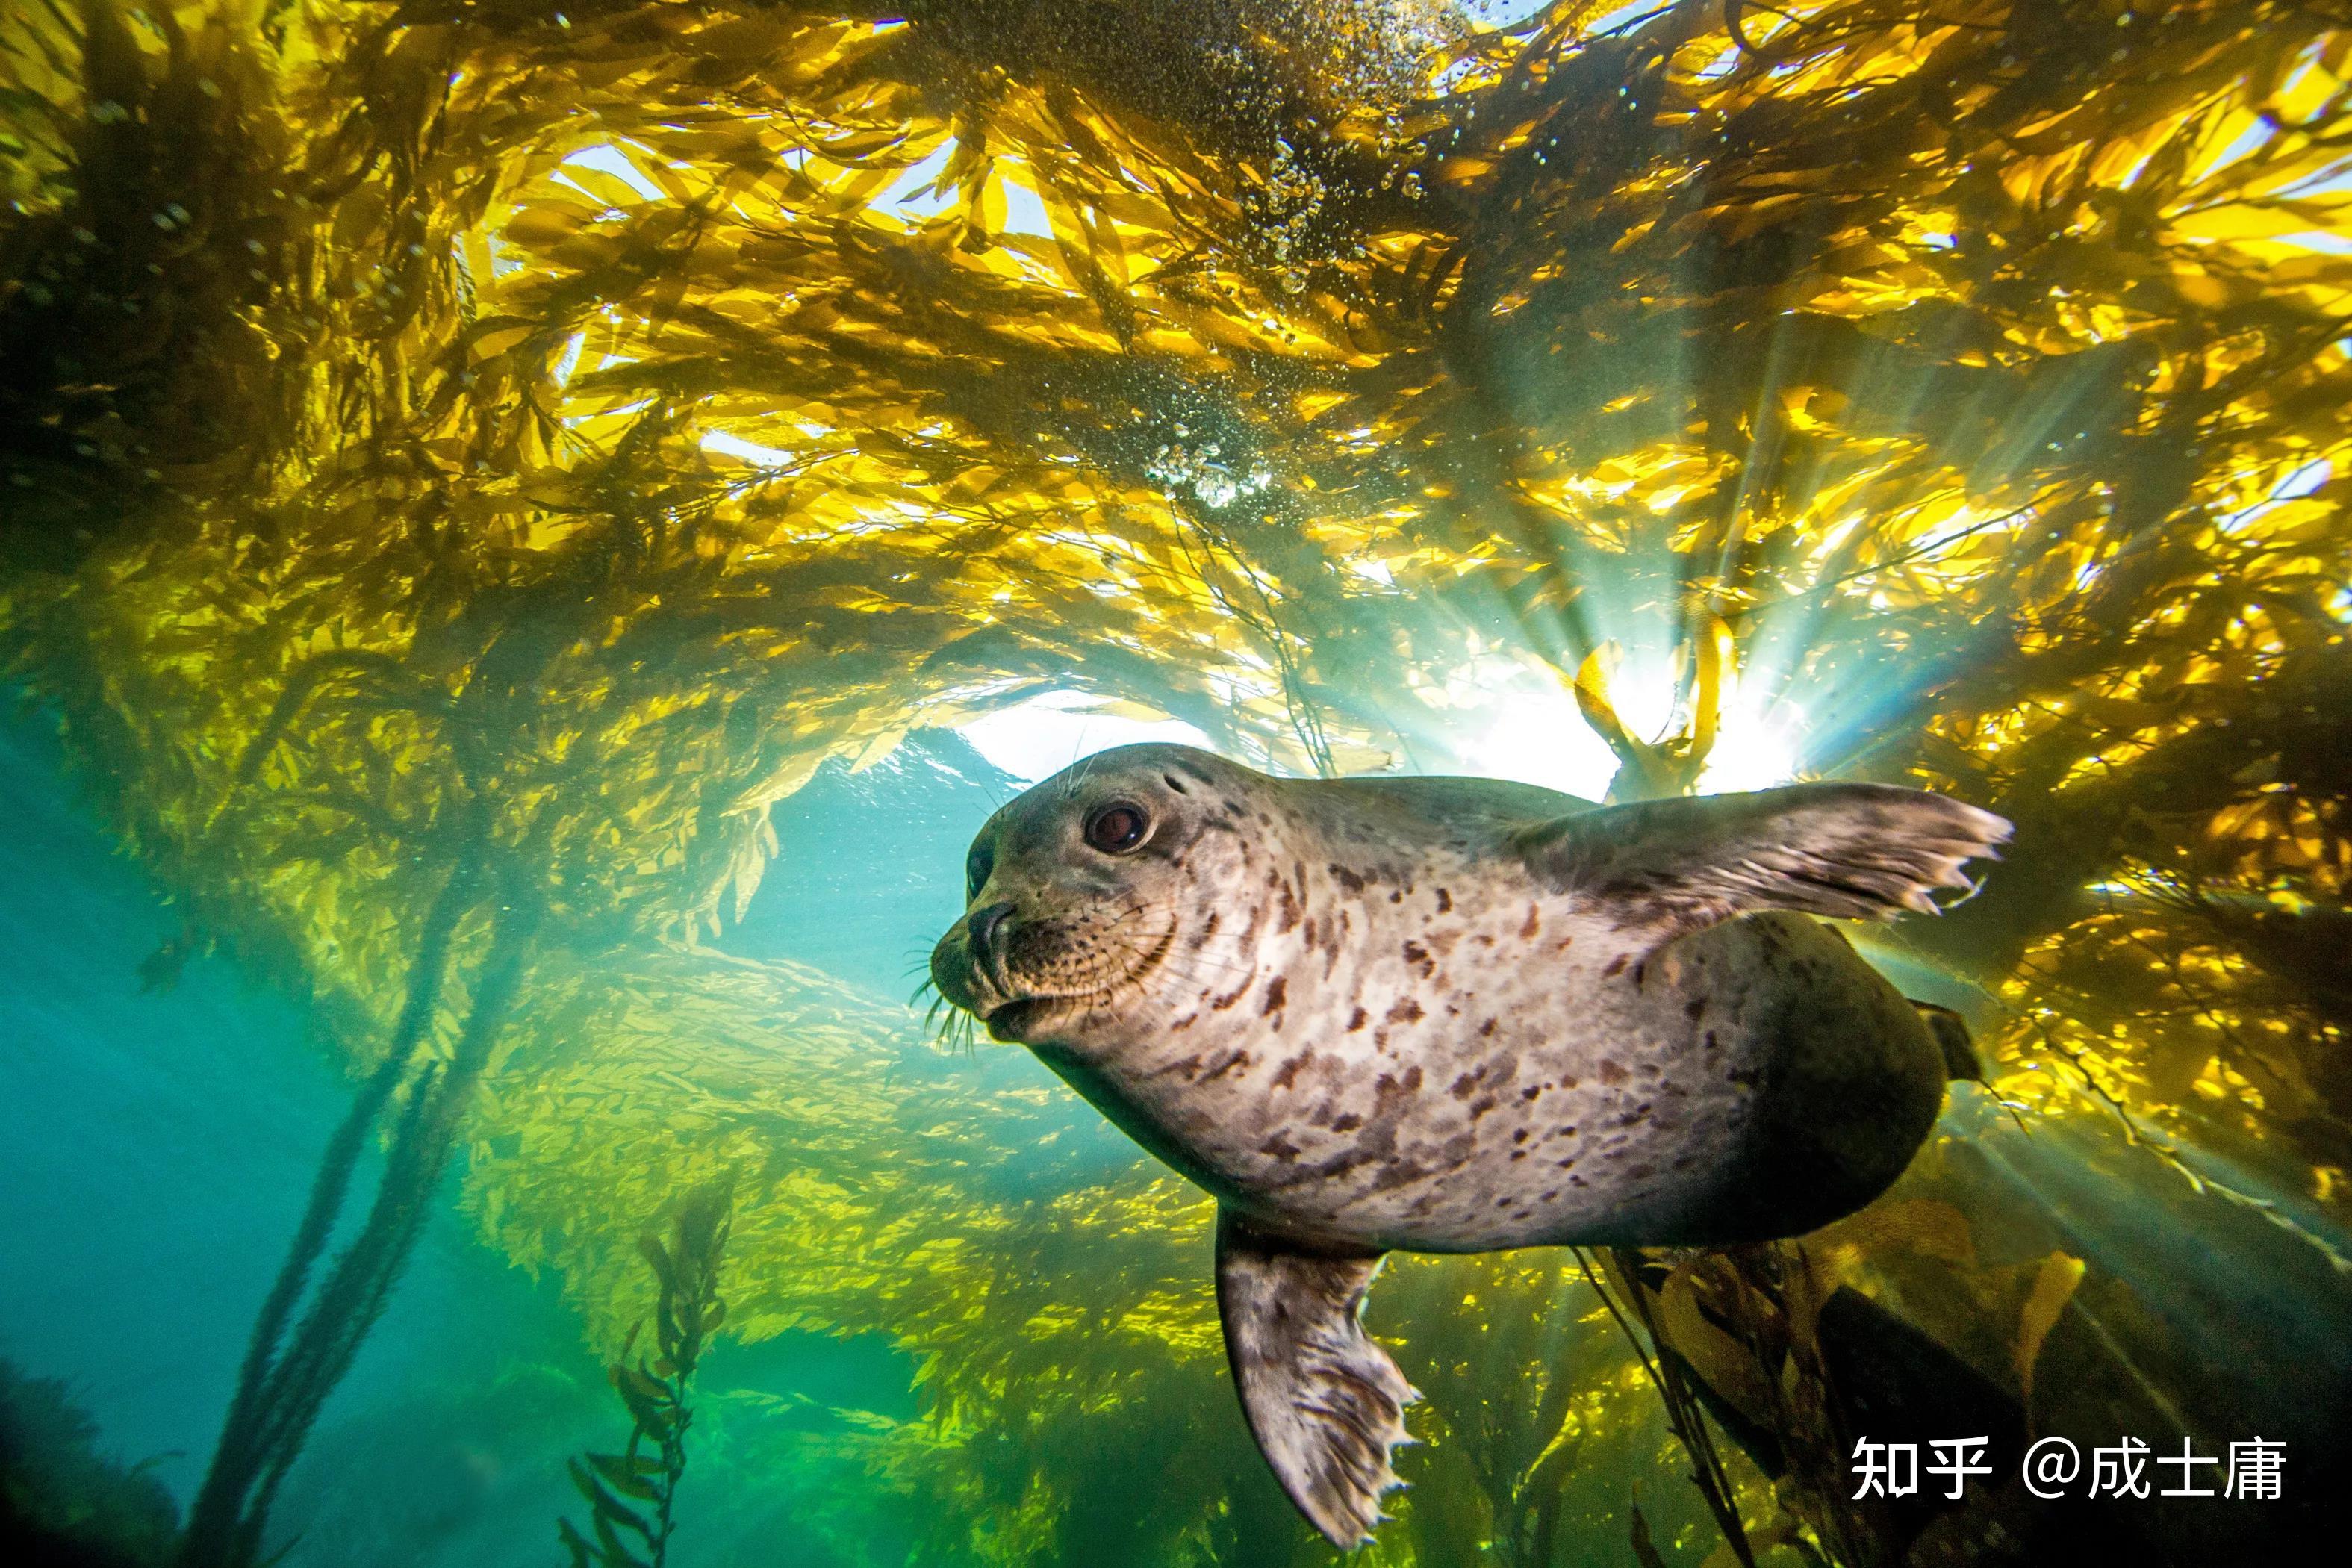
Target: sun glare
pixel 1038 738
pixel 1538 737
pixel 1544 741
pixel 1754 748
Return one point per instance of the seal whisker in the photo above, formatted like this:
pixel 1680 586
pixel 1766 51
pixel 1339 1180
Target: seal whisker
pixel 1190 967
pixel 1075 776
pixel 948 1026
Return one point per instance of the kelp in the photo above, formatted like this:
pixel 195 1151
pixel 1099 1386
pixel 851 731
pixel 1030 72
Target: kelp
pixel 291 1364
pixel 445 433
pixel 635 1489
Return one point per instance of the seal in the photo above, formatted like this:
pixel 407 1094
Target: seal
pixel 1455 1015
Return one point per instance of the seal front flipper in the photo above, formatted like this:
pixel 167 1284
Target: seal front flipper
pixel 1851 850
pixel 1325 1403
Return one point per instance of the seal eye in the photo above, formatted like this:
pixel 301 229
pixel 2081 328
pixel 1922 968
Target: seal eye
pixel 1117 828
pixel 976 868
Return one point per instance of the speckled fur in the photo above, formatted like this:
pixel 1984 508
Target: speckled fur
pixel 1456 1016
pixel 1350 1011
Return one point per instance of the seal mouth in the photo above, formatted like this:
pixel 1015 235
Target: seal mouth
pixel 1005 1011
pixel 984 986
pixel 1008 1022
pixel 1019 1021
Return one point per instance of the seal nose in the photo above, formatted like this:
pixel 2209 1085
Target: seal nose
pixel 980 926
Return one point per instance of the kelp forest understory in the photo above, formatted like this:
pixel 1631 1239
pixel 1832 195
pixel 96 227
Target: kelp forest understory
pixel 474 472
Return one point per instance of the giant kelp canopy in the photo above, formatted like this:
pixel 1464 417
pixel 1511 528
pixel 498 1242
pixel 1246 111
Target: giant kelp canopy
pixel 538 435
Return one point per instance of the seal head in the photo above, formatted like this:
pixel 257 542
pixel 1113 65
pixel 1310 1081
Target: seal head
pixel 1077 894
pixel 1456 1016
pixel 1097 902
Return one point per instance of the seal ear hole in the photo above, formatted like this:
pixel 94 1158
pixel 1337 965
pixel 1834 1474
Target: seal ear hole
pixel 1117 827
pixel 1169 780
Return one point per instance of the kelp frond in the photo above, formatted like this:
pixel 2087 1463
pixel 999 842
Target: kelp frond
pixel 441 433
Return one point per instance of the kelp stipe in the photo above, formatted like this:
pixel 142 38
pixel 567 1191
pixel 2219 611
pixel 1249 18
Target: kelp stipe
pixel 284 1381
pixel 1678 1392
pixel 688 1310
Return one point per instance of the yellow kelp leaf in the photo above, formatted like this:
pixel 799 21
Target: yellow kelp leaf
pixel 1722 1361
pixel 2053 1286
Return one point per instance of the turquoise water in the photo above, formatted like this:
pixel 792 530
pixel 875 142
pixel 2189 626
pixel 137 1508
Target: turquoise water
pixel 486 492
pixel 153 1152
pixel 153 1144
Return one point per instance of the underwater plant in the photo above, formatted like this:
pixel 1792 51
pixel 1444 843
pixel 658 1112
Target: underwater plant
pixel 654 1387
pixel 60 1499
pixel 548 436
pixel 291 1362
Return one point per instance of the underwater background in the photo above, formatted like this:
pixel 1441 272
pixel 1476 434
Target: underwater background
pixel 533 531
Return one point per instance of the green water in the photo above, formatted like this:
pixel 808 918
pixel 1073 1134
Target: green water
pixel 530 539
pixel 153 1146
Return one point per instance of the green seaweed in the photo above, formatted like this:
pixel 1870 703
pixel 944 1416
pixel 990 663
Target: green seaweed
pixel 288 1372
pixel 1969 376
pixel 635 1492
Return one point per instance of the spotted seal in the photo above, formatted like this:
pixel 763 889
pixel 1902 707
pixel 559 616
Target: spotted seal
pixel 1454 1015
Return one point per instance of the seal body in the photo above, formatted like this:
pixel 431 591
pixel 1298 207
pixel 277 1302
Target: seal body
pixel 1367 1023
pixel 1454 1016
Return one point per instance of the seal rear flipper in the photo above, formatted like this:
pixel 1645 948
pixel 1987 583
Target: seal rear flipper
pixel 1859 851
pixel 1325 1403
pixel 1952 1038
